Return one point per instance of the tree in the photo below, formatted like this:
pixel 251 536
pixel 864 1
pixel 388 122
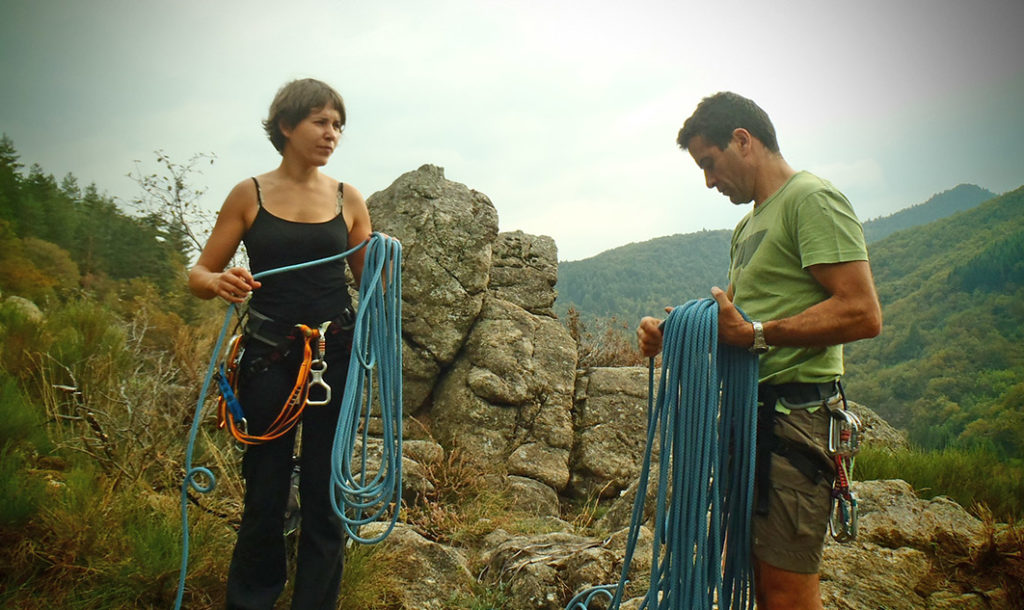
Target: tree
pixel 170 196
pixel 9 177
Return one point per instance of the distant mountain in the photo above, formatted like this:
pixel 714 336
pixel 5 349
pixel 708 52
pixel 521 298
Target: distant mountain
pixel 946 203
pixel 640 279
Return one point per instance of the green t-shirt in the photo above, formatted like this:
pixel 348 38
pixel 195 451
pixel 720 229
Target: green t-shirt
pixel 806 222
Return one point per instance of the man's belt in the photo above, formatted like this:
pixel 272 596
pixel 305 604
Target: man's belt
pixel 797 393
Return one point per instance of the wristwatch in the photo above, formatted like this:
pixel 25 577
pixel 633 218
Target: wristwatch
pixel 759 346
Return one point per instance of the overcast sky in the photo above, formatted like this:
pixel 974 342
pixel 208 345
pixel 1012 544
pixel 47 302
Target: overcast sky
pixel 563 113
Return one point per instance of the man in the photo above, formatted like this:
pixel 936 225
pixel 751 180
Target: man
pixel 799 270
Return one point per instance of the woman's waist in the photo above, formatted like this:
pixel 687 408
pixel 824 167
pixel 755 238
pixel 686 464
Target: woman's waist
pixel 273 327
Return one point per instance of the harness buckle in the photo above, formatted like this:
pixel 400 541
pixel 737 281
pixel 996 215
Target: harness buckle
pixel 316 380
pixel 317 368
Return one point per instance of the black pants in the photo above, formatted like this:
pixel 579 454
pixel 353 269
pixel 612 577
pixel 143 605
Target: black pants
pixel 258 566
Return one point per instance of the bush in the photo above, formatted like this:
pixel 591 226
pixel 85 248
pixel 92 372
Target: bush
pixel 967 476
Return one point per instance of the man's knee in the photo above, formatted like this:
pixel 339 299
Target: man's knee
pixel 778 589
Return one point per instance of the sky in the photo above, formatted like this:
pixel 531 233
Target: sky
pixel 564 113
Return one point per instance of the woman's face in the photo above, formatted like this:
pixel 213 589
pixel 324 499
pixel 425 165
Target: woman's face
pixel 315 137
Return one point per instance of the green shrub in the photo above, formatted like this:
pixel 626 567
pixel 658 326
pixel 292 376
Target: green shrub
pixel 21 495
pixel 968 476
pixel 21 420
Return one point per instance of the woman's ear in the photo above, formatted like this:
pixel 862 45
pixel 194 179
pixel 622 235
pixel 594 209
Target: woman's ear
pixel 286 131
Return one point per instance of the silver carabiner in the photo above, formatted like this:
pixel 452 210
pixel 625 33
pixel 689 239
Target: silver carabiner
pixel 844 433
pixel 842 520
pixel 243 427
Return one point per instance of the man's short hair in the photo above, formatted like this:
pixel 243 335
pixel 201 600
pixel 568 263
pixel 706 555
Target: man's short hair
pixel 294 102
pixel 718 115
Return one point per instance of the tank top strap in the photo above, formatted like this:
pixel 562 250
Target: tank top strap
pixel 259 192
pixel 341 196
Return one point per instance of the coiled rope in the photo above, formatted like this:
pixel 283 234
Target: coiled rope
pixel 356 497
pixel 375 266
pixel 704 420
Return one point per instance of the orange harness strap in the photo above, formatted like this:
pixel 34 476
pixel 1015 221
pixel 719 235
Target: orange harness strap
pixel 292 409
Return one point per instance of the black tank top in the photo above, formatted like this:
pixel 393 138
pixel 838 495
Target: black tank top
pixel 309 295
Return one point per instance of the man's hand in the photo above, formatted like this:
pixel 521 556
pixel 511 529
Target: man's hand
pixel 732 328
pixel 649 335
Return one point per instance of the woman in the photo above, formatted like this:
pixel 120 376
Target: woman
pixel 290 215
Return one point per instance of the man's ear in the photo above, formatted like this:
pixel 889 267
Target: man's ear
pixel 742 139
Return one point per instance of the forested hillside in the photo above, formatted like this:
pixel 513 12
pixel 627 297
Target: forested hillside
pixel 958 199
pixel 640 279
pixel 949 364
pixel 57 238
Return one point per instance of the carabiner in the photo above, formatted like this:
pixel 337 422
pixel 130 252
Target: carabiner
pixel 842 519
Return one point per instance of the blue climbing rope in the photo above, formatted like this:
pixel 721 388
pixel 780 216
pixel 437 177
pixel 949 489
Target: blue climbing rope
pixel 704 422
pixel 358 498
pixel 375 244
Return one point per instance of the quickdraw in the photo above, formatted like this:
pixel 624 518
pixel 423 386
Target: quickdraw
pixel 311 370
pixel 844 443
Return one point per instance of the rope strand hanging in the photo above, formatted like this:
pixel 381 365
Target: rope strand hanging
pixel 704 422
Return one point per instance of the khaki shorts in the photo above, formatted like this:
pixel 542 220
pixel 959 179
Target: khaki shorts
pixel 791 536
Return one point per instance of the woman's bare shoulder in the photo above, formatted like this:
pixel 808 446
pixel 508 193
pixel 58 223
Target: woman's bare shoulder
pixel 242 199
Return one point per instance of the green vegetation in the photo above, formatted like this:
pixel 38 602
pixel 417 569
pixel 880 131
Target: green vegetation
pixel 968 476
pixel 949 364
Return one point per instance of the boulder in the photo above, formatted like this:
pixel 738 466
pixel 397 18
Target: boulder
pixel 447 231
pixel 524 270
pixel 508 397
pixel 424 574
pixel 610 423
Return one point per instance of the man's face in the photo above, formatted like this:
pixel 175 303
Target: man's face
pixel 723 169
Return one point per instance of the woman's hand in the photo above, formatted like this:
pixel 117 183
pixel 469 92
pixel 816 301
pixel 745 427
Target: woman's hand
pixel 234 284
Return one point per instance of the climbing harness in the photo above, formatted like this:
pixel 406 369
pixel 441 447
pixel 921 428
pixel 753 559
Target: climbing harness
pixel 385 311
pixel 310 388
pixel 775 401
pixel 835 467
pixel 704 422
pixel 229 410
pixel 844 444
pixel 358 498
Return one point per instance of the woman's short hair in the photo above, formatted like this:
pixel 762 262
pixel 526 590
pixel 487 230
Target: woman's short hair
pixel 294 102
pixel 718 115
